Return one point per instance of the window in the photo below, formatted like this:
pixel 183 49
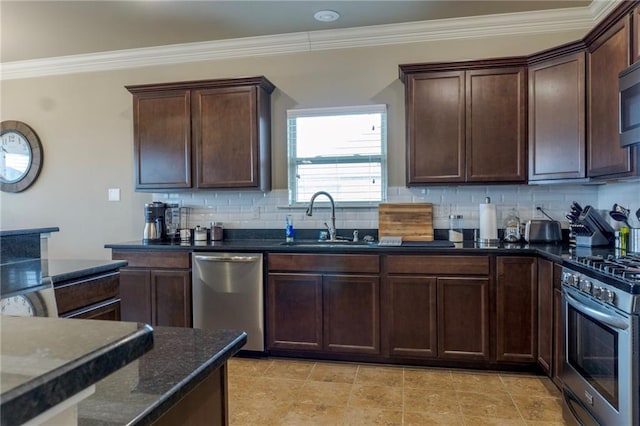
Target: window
pixel 339 150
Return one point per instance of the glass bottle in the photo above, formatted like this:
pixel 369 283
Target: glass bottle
pixel 512 227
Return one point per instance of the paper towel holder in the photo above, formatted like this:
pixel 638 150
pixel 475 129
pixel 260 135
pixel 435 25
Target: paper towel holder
pixel 488 242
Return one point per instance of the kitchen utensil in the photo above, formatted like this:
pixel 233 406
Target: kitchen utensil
pixel 411 221
pixel 600 233
pixel 620 214
pixel 488 222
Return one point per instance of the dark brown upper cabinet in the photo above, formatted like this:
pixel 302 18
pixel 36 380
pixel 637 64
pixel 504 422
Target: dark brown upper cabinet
pixel 210 134
pixel 609 52
pixel 557 141
pixel 466 121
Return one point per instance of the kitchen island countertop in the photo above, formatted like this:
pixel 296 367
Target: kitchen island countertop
pixel 144 390
pixel 45 361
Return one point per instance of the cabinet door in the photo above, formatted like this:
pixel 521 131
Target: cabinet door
pixel 545 315
pixel 557 118
pixel 162 139
pixel 226 137
pixel 496 125
pixel 463 318
pixel 517 293
pixel 410 312
pixel 635 41
pixel 135 295
pixel 294 311
pixel 351 313
pixel 435 127
pixel 608 55
pixel 171 298
pixel 558 326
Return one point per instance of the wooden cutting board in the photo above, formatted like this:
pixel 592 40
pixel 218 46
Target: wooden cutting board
pixel 411 221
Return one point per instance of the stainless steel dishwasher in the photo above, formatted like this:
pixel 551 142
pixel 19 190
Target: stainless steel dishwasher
pixel 228 294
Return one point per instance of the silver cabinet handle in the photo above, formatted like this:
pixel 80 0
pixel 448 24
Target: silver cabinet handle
pixel 232 259
pixel 610 320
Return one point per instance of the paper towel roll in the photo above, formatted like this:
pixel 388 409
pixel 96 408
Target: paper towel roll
pixel 488 222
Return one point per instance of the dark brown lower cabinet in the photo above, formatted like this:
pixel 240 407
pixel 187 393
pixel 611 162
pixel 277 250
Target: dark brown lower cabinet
pixel 323 303
pixel 558 327
pixel 516 309
pixel 545 315
pixel 94 297
pixel 463 318
pixel 155 288
pixel 432 312
pixel 294 311
pixel 411 324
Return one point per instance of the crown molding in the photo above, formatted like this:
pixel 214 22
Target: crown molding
pixel 537 22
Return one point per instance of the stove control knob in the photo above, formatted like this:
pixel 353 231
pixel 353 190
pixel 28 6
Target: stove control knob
pixel 607 296
pixel 597 292
pixel 585 285
pixel 571 279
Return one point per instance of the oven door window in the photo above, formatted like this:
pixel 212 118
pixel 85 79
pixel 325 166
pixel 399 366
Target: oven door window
pixel 593 351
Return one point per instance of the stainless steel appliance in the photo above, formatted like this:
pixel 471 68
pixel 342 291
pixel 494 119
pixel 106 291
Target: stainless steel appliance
pixel 629 84
pixel 228 294
pixel 601 307
pixel 153 221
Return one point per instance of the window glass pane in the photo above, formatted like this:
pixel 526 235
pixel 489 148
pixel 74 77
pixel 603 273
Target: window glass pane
pixel 338 150
pixel 338 135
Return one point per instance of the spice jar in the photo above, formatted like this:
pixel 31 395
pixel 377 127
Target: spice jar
pixel 455 228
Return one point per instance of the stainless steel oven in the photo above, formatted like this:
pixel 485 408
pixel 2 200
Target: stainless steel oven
pixel 601 366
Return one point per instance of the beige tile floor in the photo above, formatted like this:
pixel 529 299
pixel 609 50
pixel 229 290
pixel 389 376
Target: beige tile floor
pixel 292 392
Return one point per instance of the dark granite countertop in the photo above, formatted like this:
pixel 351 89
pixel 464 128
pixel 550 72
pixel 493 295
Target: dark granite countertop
pixel 23 275
pixel 143 390
pixel 47 360
pixel 61 270
pixel 29 231
pixel 556 252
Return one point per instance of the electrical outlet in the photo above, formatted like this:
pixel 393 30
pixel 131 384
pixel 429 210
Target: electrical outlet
pixel 114 194
pixel 256 213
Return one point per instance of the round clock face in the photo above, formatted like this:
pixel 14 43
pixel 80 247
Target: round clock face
pixel 20 306
pixel 20 156
pixel 15 158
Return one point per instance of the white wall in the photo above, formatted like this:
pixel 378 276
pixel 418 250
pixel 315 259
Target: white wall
pixel 85 123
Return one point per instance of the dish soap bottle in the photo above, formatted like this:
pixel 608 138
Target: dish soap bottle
pixel 289 229
pixel 512 227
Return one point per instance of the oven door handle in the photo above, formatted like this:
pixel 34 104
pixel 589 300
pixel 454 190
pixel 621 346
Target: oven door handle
pixel 610 320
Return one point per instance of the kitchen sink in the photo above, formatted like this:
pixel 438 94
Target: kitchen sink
pixel 329 244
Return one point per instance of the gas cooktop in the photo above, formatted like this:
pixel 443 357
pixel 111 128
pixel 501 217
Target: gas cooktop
pixel 621 271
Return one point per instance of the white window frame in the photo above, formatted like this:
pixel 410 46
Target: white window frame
pixel 293 161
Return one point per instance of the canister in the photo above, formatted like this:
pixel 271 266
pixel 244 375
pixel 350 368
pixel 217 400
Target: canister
pixel 455 228
pixel 216 231
pixel 634 240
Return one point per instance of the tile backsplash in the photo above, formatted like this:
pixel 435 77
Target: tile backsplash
pixel 252 209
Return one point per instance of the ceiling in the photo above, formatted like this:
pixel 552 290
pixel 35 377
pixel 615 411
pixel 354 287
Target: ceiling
pixel 45 29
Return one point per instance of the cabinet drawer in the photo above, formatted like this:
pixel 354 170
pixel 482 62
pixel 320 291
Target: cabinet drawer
pixel 154 259
pixel 294 262
pixel 458 265
pixel 82 293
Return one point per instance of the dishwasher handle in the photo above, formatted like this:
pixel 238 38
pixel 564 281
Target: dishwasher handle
pixel 231 259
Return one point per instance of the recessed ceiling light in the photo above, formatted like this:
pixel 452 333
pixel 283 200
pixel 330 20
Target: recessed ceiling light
pixel 326 15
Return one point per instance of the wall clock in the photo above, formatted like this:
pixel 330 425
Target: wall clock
pixel 20 157
pixel 24 305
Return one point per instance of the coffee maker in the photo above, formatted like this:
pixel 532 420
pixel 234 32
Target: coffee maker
pixel 154 221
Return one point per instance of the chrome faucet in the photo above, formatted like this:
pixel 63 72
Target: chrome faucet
pixel 332 228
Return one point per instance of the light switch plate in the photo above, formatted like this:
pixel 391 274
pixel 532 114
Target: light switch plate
pixel 114 194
